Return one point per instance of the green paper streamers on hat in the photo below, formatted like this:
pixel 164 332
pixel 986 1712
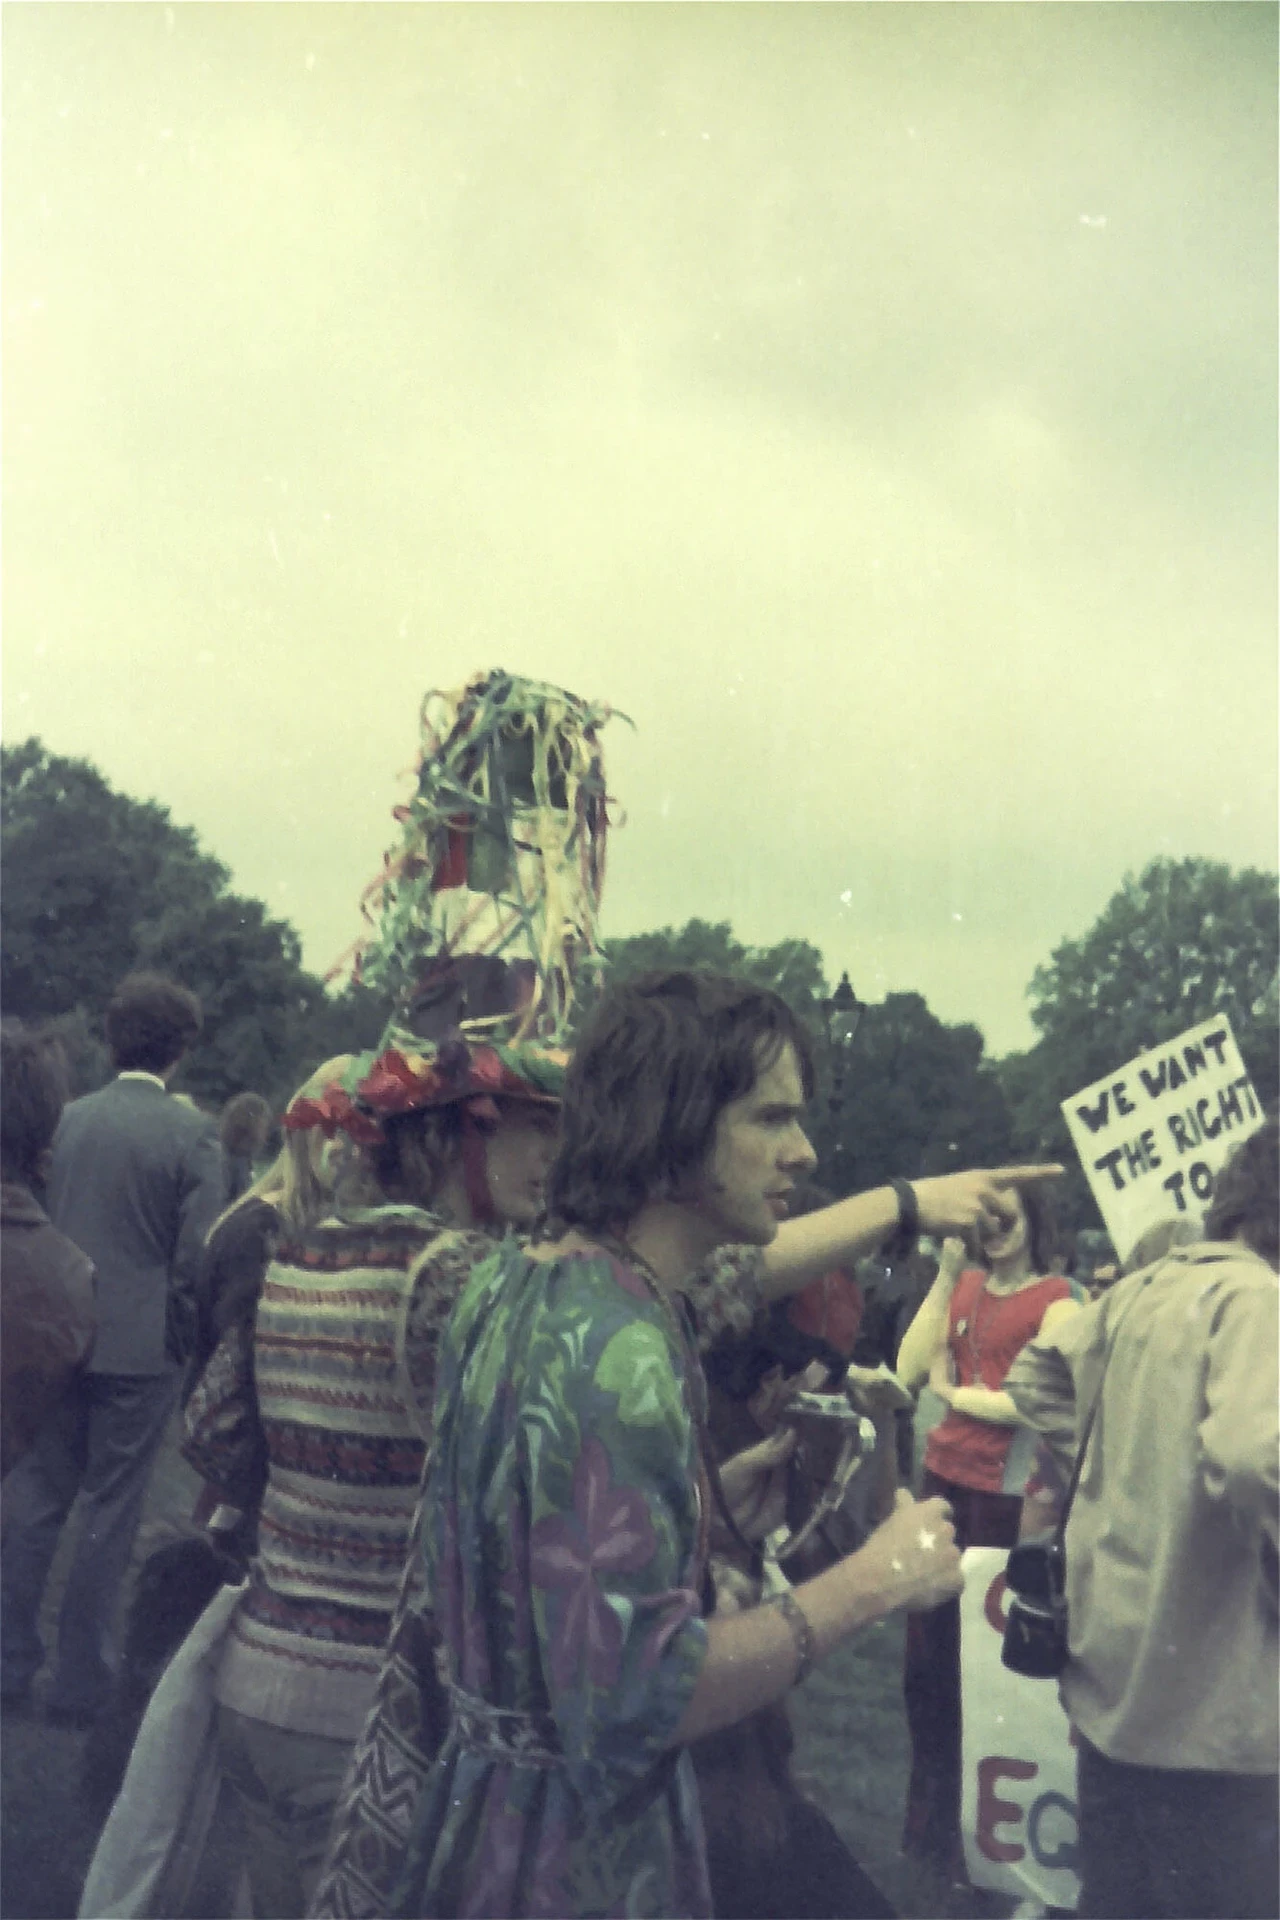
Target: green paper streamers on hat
pixel 488 905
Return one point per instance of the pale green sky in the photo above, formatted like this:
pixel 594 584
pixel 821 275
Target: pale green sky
pixel 876 402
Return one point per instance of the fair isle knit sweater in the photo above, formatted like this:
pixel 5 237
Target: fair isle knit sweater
pixel 343 1357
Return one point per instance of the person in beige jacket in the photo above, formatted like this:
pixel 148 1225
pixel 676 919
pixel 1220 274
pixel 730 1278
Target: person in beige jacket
pixel 1173 1685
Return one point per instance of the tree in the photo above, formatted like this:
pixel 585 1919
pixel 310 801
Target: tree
pixel 1181 942
pixel 921 1097
pixel 84 867
pixel 258 1001
pixel 350 1021
pixel 792 968
pixel 96 883
pixel 1184 941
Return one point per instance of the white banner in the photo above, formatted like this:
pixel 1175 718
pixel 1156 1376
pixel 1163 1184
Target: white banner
pixel 1152 1135
pixel 1018 1800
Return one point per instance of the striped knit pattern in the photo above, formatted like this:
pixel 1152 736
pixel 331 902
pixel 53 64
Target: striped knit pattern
pixel 346 1453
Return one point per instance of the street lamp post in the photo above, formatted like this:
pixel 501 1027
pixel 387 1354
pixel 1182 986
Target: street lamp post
pixel 843 1011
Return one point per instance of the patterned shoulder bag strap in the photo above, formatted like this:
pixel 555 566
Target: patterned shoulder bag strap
pixel 392 1758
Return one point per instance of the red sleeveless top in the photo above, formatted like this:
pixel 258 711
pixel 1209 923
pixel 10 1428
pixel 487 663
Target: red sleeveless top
pixel 986 1333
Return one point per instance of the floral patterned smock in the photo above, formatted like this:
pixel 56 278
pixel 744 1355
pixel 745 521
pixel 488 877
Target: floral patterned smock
pixel 565 1548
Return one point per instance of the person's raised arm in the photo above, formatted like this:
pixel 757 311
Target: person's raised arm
pixel 924 1344
pixel 805 1249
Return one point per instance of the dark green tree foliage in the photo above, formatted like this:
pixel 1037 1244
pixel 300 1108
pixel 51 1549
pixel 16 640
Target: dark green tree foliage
pixel 792 968
pixel 96 883
pixel 258 1001
pixel 84 869
pixel 351 1021
pixel 920 1097
pixel 1184 940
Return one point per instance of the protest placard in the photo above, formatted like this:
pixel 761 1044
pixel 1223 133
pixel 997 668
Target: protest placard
pixel 1152 1135
pixel 1018 1793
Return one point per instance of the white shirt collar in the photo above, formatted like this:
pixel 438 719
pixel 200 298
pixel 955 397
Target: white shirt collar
pixel 136 1073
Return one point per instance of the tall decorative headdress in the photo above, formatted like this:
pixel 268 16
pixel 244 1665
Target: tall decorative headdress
pixel 484 914
pixel 487 907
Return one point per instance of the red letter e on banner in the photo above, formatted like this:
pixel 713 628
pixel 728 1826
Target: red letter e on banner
pixel 994 1812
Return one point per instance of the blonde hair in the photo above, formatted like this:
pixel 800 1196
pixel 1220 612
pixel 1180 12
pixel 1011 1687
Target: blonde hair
pixel 300 1181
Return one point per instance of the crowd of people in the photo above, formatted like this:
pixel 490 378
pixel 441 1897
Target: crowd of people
pixel 511 1383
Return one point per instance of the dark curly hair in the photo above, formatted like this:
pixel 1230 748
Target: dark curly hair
pixel 657 1062
pixel 151 1022
pixel 1246 1200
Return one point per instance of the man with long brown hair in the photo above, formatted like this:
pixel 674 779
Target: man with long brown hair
pixel 570 1494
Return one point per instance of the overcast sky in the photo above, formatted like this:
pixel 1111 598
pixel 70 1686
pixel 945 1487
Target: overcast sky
pixel 876 402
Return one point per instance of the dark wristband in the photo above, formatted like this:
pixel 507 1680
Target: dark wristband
pixel 905 1234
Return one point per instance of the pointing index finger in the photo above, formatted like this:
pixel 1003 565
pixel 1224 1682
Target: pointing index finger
pixel 1025 1176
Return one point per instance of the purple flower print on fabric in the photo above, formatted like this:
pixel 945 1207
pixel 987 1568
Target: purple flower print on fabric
pixel 609 1531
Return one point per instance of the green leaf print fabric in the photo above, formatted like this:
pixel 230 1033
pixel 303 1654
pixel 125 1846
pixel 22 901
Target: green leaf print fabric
pixel 563 1552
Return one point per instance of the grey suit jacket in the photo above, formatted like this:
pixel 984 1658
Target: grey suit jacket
pixel 136 1181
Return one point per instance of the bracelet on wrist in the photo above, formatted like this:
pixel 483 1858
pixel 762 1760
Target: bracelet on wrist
pixel 801 1632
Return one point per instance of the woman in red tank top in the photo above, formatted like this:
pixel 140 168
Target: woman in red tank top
pixel 970 1329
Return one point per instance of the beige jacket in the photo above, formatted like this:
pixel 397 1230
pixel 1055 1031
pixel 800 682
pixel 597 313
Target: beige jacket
pixel 1172 1536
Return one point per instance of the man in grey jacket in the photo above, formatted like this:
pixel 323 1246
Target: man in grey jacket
pixel 1174 1676
pixel 136 1180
